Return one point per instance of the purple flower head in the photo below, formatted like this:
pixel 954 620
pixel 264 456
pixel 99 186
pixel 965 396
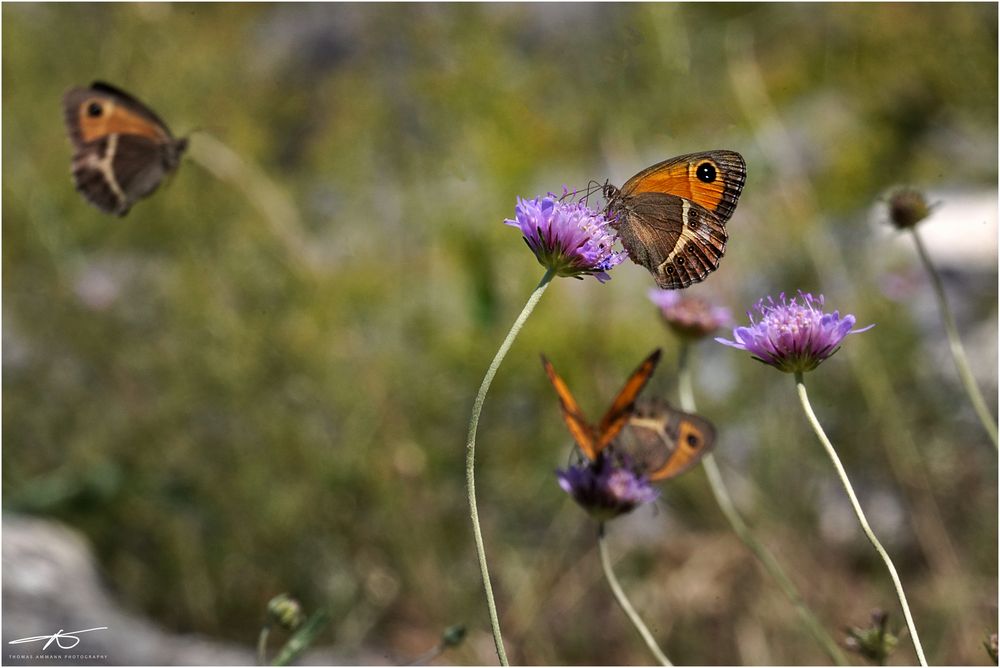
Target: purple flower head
pixel 791 336
pixel 567 236
pixel 606 487
pixel 689 317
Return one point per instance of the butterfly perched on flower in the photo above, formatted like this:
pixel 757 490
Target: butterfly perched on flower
pixel 671 217
pixel 651 438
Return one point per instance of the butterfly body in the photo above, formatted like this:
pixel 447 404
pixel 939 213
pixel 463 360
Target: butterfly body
pixel 653 438
pixel 122 149
pixel 671 217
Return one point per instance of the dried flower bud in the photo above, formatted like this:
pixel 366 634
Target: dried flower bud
pixel 453 635
pixel 907 207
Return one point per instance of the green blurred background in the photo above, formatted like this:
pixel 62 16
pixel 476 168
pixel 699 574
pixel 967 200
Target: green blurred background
pixel 260 380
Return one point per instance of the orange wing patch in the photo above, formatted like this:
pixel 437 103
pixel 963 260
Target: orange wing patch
pixel 691 443
pixel 621 408
pixel 114 119
pixel 582 431
pixel 680 178
pixel 593 441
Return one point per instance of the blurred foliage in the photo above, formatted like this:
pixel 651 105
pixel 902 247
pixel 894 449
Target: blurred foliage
pixel 227 419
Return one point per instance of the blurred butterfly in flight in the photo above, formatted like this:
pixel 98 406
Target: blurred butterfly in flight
pixel 122 149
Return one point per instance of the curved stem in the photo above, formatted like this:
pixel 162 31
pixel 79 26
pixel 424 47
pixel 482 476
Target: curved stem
pixel 272 202
pixel 470 455
pixel 685 389
pixel 623 601
pixel 955 343
pixel 262 645
pixel 685 380
pixel 818 428
pixel 797 197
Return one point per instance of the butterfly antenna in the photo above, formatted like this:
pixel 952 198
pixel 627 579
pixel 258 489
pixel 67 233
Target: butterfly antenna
pixel 584 195
pixel 592 185
pixel 568 194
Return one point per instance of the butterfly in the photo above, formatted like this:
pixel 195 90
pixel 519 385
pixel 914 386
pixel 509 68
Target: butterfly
pixel 122 149
pixel 671 217
pixel 656 440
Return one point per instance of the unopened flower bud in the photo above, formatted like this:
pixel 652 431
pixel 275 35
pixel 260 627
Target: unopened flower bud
pixel 285 612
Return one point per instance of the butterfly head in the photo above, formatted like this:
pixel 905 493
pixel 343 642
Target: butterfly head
pixel 172 152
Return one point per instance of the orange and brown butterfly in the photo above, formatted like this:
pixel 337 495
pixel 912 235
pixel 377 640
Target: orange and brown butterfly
pixel 657 441
pixel 122 149
pixel 671 217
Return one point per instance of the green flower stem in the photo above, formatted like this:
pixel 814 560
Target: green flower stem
pixel 303 638
pixel 262 645
pixel 728 508
pixel 470 455
pixel 804 398
pixel 623 601
pixel 957 350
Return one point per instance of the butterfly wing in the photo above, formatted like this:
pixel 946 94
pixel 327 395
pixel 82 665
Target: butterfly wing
pixel 95 179
pixel 140 165
pixel 102 110
pixel 677 240
pixel 122 149
pixel 616 416
pixel 710 179
pixel 664 442
pixel 115 171
pixel 132 103
pixel 582 431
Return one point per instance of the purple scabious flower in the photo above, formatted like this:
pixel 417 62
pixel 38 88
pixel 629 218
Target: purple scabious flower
pixel 567 237
pixel 792 336
pixel 689 317
pixel 605 487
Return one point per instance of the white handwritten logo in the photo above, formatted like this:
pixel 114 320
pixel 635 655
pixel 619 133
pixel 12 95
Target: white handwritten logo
pixel 70 639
